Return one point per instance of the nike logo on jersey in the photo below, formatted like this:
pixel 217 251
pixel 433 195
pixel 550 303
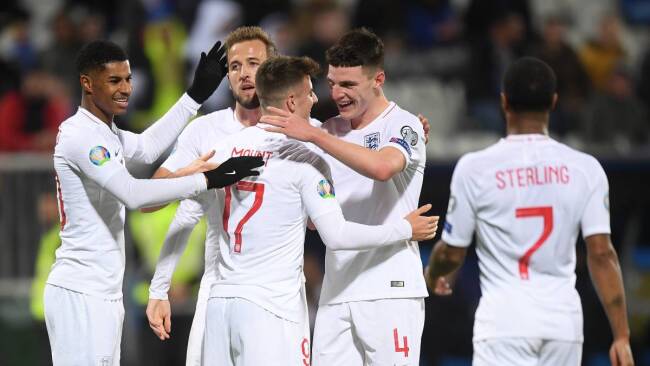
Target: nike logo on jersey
pixel 396 283
pixel 231 173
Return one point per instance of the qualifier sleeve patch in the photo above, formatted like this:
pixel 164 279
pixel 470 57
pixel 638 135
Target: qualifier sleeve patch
pixel 325 189
pixel 99 155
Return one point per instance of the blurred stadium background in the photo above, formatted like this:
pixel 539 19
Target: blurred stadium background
pixel 444 59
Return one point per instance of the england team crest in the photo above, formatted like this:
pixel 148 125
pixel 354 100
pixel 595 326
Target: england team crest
pixel 371 141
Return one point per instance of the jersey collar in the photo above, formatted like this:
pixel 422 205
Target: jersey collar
pixel 94 118
pixel 526 137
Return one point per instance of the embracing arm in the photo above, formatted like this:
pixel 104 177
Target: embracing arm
pixel 379 165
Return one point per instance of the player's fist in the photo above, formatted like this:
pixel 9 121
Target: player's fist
pixel 159 314
pixel 422 227
pixel 439 286
pixel 207 77
pixel 620 354
pixel 233 170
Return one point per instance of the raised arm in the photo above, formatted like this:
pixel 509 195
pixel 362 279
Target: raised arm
pixel 605 272
pixel 149 145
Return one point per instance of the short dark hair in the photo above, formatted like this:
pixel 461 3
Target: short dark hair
pixel 529 85
pixel 251 33
pixel 277 75
pixel 358 47
pixel 96 54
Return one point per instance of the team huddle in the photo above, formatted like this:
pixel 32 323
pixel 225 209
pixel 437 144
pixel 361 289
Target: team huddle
pixel 264 171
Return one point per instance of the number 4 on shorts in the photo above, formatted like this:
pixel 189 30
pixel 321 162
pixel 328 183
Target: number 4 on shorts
pixel 404 349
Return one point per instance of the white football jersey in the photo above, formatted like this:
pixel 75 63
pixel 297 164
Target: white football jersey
pixel 87 155
pixel 390 272
pixel 527 197
pixel 201 136
pixel 198 138
pixel 265 218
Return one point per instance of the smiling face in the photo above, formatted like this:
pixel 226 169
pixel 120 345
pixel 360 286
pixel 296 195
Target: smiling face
pixel 243 60
pixel 109 88
pixel 353 89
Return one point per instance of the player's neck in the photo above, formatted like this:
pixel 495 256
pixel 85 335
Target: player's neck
pixel 527 123
pixel 247 117
pixel 87 104
pixel 375 108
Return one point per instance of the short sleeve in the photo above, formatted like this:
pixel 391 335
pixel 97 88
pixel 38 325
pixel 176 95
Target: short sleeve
pixel 406 136
pixel 185 151
pixel 460 221
pixel 92 156
pixel 316 187
pixel 595 217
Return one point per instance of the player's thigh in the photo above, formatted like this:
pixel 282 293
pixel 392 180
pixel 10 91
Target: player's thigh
pixel 216 340
pixel 507 352
pixel 195 342
pixel 83 330
pixel 560 353
pixel 389 330
pixel 259 337
pixel 334 343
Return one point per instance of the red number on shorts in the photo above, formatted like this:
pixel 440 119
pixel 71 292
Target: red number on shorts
pixel 304 347
pixel 258 188
pixel 545 212
pixel 404 349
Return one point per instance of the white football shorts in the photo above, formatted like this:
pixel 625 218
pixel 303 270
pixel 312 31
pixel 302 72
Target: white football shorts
pixel 83 330
pixel 377 332
pixel 239 332
pixel 526 352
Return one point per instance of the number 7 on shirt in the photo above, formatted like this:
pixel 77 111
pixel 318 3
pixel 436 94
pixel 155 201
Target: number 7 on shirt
pixel 258 188
pixel 546 212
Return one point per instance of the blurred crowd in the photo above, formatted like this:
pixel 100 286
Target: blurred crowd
pixel 445 59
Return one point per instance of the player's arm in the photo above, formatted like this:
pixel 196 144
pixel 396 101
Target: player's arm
pixel 379 165
pixel 317 193
pixel 200 165
pixel 89 155
pixel 605 272
pixel 187 216
pixel 444 260
pixel 339 234
pixel 149 145
pixel 449 252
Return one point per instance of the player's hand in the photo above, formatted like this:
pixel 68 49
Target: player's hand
pixel 620 354
pixel 199 165
pixel 159 314
pixel 425 125
pixel 289 124
pixel 422 227
pixel 233 170
pixel 439 286
pixel 209 73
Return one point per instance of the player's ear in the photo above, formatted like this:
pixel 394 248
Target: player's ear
pixel 504 103
pixel 290 103
pixel 380 78
pixel 86 83
pixel 554 102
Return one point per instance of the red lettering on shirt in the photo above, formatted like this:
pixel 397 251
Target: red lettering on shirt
pixel 266 155
pixel 532 176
